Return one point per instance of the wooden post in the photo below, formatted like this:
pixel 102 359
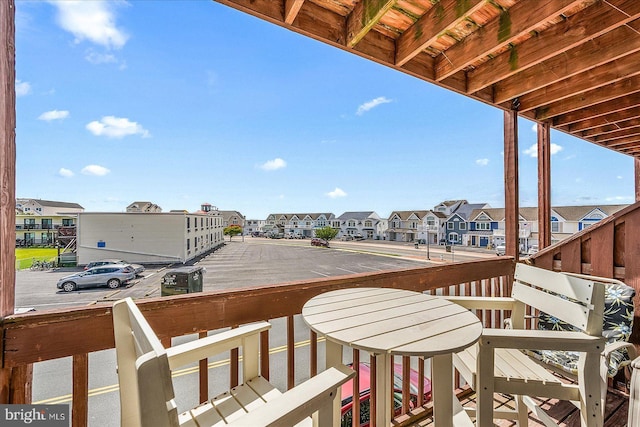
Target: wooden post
pixel 7 183
pixel 544 185
pixel 511 195
pixel 636 164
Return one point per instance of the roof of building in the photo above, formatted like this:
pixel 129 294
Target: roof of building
pixel 52 203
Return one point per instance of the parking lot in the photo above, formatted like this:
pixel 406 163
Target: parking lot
pixel 238 264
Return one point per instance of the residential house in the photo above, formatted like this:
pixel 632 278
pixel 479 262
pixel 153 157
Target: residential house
pixel 298 224
pixel 146 207
pixel 359 224
pixel 457 223
pixel 404 226
pixel 432 229
pixel 230 218
pixel 486 228
pixel 254 227
pixel 45 222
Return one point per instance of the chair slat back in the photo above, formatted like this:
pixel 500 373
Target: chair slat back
pixel 574 300
pixel 138 347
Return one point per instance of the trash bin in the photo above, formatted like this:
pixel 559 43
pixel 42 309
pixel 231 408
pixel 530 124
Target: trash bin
pixel 181 280
pixel 447 248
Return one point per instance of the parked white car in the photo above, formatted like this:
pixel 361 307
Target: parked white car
pixel 501 249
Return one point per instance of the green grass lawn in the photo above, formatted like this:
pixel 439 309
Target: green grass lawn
pixel 26 256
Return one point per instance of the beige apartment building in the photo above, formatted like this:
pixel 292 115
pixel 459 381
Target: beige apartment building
pixel 147 238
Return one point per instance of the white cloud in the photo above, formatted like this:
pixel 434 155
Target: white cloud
pixel 372 104
pixel 22 88
pixel 66 173
pixel 274 164
pixel 100 58
pixel 482 162
pixel 533 150
pixel 116 127
pixel 54 115
pixel 338 192
pixel 91 20
pixel 95 170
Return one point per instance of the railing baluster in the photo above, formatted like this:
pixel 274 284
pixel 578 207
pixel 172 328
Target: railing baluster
pixel 313 354
pixel 374 390
pixel 406 383
pixel 421 401
pixel 203 374
pixel 291 356
pixel 356 390
pixel 264 354
pixel 80 400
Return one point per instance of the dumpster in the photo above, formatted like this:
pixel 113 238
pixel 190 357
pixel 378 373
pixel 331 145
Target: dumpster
pixel 181 280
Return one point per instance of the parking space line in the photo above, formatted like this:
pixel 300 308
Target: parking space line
pixel 319 274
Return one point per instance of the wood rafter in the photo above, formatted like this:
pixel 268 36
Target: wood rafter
pixel 592 22
pixel 364 16
pixel 479 44
pixel 572 64
pixel 428 28
pixel 291 9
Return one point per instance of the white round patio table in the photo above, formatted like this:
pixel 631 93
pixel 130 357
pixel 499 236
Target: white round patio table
pixel 394 322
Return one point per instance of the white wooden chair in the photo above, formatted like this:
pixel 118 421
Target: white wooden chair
pixel 498 363
pixel 147 394
pixel 634 394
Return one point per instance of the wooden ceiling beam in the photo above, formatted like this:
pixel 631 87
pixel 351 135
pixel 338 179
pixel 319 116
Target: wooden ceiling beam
pixel 597 115
pixel 594 53
pixel 443 15
pixel 621 142
pixel 507 27
pixel 602 94
pixel 618 135
pixel 591 22
pixel 291 9
pixel 364 16
pixel 608 128
pixel 606 74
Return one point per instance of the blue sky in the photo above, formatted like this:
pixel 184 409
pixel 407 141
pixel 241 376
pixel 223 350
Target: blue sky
pixel 185 102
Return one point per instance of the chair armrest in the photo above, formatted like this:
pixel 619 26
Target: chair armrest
pixel 541 340
pixel 489 303
pixel 617 345
pixel 193 351
pixel 300 402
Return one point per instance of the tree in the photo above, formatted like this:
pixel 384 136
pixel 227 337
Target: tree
pixel 326 233
pixel 232 230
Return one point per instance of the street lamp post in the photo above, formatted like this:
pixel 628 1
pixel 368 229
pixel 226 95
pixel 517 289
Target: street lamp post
pixel 426 235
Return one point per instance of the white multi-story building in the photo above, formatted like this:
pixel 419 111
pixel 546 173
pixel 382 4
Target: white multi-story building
pixel 148 238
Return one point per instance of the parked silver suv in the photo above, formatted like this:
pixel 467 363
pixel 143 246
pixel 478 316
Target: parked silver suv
pixel 139 269
pixel 112 275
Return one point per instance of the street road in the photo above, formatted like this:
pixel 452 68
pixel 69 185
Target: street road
pixel 252 262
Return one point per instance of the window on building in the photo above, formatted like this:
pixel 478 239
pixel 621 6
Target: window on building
pixel 462 226
pixel 188 244
pixel 47 223
pixel 188 223
pixel 450 226
pixel 67 222
pixel 483 225
pixel 368 223
pixel 453 237
pixel 351 223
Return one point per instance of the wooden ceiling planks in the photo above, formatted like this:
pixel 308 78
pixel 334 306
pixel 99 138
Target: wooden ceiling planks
pixel 572 63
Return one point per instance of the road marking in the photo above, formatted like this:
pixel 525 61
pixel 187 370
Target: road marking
pixel 319 274
pixel 348 271
pixel 177 373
